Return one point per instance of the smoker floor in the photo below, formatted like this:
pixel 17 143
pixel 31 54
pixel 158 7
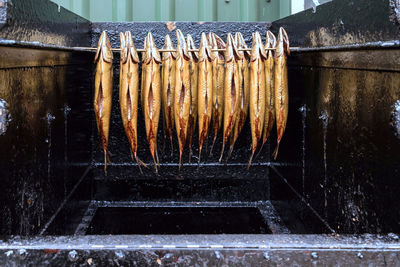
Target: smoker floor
pixel 182 220
pixel 118 218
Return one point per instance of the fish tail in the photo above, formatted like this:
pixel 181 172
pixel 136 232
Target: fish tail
pixel 105 162
pixel 262 145
pixel 275 154
pixel 222 151
pixel 140 163
pixel 158 160
pixel 229 152
pixel 190 154
pixel 250 160
pixel 172 146
pixel 180 159
pixel 212 145
pixel 198 162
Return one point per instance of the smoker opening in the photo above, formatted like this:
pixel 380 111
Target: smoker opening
pixel 178 221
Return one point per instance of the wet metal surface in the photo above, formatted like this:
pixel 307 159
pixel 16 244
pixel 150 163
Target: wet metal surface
pixel 342 22
pixel 215 250
pixel 42 21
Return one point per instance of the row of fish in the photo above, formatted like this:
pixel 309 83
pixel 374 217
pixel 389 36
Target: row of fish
pixel 217 84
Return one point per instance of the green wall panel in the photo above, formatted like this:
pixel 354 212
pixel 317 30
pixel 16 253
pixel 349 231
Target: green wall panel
pixel 178 10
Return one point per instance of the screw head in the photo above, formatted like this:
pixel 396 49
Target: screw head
pixel 314 255
pixel 73 255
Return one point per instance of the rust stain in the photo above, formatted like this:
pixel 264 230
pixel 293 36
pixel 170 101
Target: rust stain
pixel 50 251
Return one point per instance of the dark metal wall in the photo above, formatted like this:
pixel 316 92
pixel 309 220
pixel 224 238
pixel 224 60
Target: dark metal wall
pixel 343 22
pixel 44 122
pixel 351 103
pixel 42 21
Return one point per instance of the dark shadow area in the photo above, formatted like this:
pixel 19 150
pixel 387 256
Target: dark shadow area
pixel 180 221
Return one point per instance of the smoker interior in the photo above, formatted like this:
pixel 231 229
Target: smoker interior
pixel 336 171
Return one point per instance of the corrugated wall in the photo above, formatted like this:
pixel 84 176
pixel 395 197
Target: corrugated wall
pixel 178 10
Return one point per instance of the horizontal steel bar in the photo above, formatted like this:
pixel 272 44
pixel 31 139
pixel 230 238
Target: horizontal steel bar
pixel 166 50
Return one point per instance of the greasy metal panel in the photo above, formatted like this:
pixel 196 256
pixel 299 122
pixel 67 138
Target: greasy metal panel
pixel 351 160
pixel 43 21
pixel 45 108
pixel 374 60
pixel 12 57
pixel 343 22
pixel 178 10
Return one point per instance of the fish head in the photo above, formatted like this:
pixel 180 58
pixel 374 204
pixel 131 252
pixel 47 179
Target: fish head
pixel 205 52
pixel 282 45
pixel 182 49
pixel 257 48
pixel 241 44
pixel 270 42
pixel 220 44
pixel 104 48
pixel 169 46
pixel 123 48
pixel 231 51
pixel 151 51
pixel 131 46
pixel 190 45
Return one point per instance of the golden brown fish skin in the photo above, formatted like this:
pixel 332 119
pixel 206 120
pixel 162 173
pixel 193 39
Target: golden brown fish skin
pixel 193 69
pixel 257 92
pixel 182 93
pixel 244 90
pixel 129 91
pixel 168 89
pixel 103 91
pixel 269 119
pixel 218 73
pixel 231 90
pixel 281 86
pixel 205 88
pixel 152 95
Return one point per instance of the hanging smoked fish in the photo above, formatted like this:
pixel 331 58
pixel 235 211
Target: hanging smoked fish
pixel 281 86
pixel 205 88
pixel 218 73
pixel 129 91
pixel 231 90
pixel 151 95
pixel 168 89
pixel 182 93
pixel 269 118
pixel 257 91
pixel 193 70
pixel 103 91
pixel 244 90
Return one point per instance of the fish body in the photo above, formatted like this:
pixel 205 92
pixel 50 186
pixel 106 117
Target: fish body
pixel 182 93
pixel 257 92
pixel 218 74
pixel 269 118
pixel 281 86
pixel 129 91
pixel 231 90
pixel 168 89
pixel 244 89
pixel 193 70
pixel 151 95
pixel 103 91
pixel 205 90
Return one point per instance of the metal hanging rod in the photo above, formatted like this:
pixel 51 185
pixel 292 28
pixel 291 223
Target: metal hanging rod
pixel 167 50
